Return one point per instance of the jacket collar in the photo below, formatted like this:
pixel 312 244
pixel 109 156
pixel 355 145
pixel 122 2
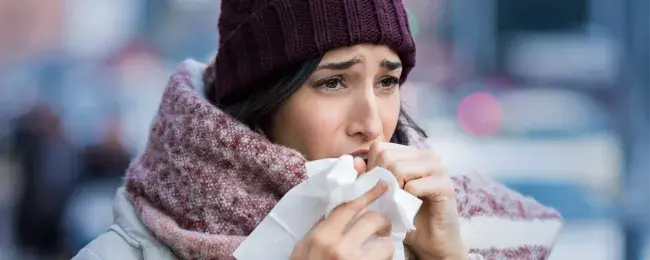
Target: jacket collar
pixel 129 226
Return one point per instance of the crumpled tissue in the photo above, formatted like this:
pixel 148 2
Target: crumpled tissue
pixel 330 183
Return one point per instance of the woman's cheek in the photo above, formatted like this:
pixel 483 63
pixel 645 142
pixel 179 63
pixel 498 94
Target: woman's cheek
pixel 326 132
pixel 389 113
pixel 311 131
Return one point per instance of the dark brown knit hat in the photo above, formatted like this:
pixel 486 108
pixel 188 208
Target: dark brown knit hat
pixel 260 38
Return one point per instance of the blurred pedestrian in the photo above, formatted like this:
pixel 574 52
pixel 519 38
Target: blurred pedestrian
pixel 89 210
pixel 49 168
pixel 107 159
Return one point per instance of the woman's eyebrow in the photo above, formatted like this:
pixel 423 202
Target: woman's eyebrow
pixel 390 65
pixel 340 65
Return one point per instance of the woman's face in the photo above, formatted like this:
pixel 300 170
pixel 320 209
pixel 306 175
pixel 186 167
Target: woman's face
pixel 349 101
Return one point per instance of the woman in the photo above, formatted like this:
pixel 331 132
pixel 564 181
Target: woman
pixel 296 81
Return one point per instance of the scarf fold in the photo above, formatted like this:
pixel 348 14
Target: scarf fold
pixel 205 181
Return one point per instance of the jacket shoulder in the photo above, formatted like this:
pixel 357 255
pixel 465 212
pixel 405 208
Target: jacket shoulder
pixel 110 245
pixel 127 239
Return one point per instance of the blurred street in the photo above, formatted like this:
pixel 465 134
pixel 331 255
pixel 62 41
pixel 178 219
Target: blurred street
pixel 549 97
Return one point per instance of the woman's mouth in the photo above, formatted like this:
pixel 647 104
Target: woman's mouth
pixel 361 153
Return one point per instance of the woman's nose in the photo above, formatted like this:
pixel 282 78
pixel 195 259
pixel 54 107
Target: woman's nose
pixel 365 117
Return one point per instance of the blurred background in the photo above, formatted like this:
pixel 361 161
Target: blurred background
pixel 548 96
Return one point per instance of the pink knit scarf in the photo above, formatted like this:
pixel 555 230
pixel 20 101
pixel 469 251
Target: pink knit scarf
pixel 205 181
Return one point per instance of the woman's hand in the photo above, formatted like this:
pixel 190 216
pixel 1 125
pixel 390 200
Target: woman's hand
pixel 335 238
pixel 420 173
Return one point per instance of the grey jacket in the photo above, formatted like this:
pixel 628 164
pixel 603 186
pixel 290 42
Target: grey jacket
pixel 126 239
pixel 129 239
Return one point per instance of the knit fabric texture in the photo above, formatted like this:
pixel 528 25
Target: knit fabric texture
pixel 261 38
pixel 205 181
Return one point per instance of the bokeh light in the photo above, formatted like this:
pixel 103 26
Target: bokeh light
pixel 480 114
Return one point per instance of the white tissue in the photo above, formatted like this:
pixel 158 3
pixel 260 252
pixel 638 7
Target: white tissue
pixel 330 182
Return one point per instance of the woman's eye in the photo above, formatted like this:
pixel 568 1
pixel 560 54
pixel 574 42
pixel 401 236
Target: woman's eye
pixel 388 82
pixel 330 84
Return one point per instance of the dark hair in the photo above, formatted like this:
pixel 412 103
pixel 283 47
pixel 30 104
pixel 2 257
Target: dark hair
pixel 255 109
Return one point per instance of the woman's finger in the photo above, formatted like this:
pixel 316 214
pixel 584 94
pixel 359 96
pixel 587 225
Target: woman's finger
pixel 392 146
pixel 359 165
pixel 382 248
pixel 408 170
pixel 370 224
pixel 344 213
pixel 433 188
pixel 316 225
pixel 381 154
